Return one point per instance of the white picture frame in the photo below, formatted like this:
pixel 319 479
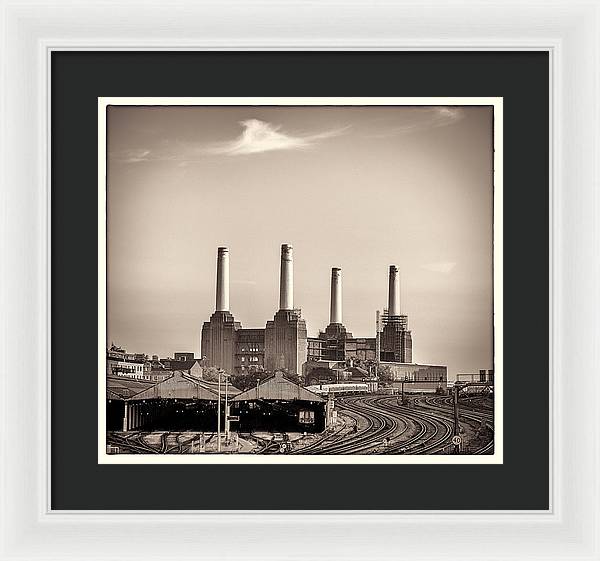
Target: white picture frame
pixel 568 30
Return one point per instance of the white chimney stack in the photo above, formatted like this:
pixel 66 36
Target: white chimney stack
pixel 222 304
pixel 286 280
pixel 394 292
pixel 335 315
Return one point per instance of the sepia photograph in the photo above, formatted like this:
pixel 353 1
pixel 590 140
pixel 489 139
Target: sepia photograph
pixel 300 280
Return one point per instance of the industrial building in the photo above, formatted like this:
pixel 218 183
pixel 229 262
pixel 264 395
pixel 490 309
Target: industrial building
pixel 281 345
pixel 338 344
pixel 330 345
pixel 280 405
pixel 181 402
pixel 284 345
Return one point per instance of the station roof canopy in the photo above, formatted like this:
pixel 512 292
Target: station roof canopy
pixel 183 386
pixel 278 387
pixel 122 387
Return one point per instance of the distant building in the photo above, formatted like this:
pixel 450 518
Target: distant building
pixel 484 375
pixel 121 363
pixel 333 372
pixel 184 356
pixel 416 377
pixel 323 372
pixel 140 367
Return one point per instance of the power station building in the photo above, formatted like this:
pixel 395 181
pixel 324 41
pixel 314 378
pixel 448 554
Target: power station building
pixel 283 344
pixel 396 339
pixel 285 335
pixel 338 344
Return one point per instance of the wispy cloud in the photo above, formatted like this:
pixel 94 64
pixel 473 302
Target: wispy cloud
pixel 132 156
pixel 422 119
pixel 444 267
pixel 258 136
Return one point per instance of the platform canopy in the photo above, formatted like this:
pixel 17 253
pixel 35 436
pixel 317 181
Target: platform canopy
pixel 122 387
pixel 183 386
pixel 278 387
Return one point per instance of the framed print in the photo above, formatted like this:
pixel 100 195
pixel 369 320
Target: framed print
pixel 285 394
pixel 300 281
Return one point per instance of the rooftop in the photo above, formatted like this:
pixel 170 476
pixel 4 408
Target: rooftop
pixel 183 386
pixel 121 387
pixel 278 387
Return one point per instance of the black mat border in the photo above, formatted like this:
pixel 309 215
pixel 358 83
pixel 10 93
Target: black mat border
pixel 78 78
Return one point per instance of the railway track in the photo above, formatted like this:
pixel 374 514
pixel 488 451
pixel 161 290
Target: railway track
pixel 134 443
pixel 324 446
pixel 376 424
pixel 434 435
pixel 382 419
pixel 474 416
pixel 425 429
pixel 379 426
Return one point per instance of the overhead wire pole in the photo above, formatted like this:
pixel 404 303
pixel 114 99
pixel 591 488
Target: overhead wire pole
pixel 219 415
pixel 377 342
pixel 455 391
pixel 226 411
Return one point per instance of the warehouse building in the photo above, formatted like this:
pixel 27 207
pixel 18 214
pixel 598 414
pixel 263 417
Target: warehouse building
pixel 181 402
pixel 280 405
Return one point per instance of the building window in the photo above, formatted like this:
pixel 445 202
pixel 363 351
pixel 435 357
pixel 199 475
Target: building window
pixel 306 417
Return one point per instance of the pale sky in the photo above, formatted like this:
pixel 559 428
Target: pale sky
pixel 353 187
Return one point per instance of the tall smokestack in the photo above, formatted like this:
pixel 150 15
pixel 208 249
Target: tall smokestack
pixel 335 314
pixel 286 280
pixel 394 292
pixel 222 304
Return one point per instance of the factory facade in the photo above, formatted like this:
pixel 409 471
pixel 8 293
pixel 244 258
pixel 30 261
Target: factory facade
pixel 281 345
pixel 284 344
pixel 393 338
